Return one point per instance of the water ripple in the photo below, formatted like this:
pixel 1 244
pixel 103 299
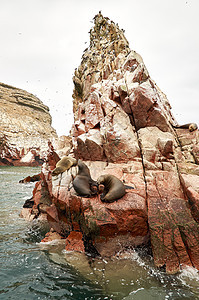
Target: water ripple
pixel 31 271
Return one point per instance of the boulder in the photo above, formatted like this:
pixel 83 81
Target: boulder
pixel 123 125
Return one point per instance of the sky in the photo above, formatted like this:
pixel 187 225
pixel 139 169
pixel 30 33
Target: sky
pixel 42 42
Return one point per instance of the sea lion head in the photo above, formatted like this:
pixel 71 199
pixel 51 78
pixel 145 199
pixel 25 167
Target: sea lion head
pixel 64 164
pixel 101 179
pixel 56 171
pixel 83 169
pixel 193 126
pixel 105 179
pixel 94 189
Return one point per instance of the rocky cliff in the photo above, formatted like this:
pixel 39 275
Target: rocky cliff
pixel 124 126
pixel 25 127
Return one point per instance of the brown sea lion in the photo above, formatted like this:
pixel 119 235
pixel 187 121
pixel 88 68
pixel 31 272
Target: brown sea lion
pixel 114 188
pixel 83 184
pixel 190 126
pixel 64 164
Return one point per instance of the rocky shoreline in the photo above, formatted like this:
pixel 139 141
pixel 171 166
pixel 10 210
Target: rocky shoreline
pixel 25 128
pixel 124 126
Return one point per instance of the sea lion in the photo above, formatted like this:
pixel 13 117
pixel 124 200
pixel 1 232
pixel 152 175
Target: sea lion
pixel 114 188
pixel 190 126
pixel 64 164
pixel 83 184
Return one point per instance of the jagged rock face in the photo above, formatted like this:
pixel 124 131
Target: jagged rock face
pixel 25 126
pixel 124 127
pixel 98 61
pixel 114 97
pixel 122 116
pixel 63 145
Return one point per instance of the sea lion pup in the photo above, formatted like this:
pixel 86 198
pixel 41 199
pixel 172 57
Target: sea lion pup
pixel 114 188
pixel 190 126
pixel 83 184
pixel 64 164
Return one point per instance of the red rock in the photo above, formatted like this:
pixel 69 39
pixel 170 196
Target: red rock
pixel 41 193
pixel 27 214
pixel 51 236
pixel 169 221
pixel 195 150
pixel 58 221
pixel 93 111
pixel 193 197
pixel 52 157
pixel 126 216
pixel 146 109
pixel 78 128
pixel 75 210
pixel 89 146
pixel 53 213
pixel 190 184
pixel 124 126
pixel 37 193
pixel 91 216
pixel 118 149
pixel 31 178
pixel 189 230
pixel 74 242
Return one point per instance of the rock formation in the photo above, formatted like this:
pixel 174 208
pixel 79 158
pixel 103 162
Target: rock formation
pixel 124 126
pixel 25 127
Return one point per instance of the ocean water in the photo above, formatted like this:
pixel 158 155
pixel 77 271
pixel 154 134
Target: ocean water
pixel 32 270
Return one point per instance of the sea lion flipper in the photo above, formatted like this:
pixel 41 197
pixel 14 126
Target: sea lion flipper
pixel 129 187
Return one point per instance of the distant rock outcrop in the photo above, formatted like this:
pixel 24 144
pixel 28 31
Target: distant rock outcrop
pixel 25 127
pixel 124 126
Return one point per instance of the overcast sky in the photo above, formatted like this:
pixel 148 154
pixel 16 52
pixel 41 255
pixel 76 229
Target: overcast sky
pixel 42 42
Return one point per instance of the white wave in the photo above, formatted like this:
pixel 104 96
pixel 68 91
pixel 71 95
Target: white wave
pixel 131 254
pixel 135 292
pixel 189 273
pixel 53 242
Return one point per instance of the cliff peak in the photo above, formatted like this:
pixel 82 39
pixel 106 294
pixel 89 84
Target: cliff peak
pixel 107 41
pixel 106 34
